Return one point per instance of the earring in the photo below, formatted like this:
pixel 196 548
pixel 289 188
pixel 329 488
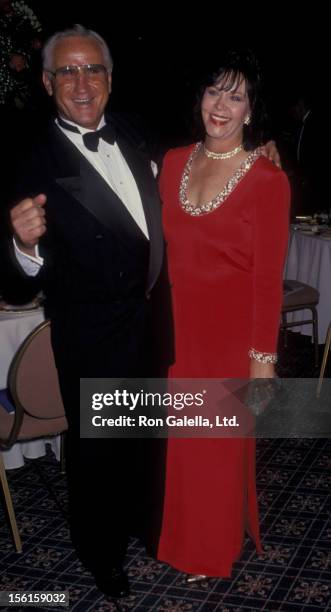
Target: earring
pixel 247 120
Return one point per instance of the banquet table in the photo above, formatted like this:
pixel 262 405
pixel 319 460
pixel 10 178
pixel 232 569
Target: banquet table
pixel 309 261
pixel 15 326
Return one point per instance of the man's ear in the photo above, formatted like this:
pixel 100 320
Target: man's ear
pixel 47 83
pixel 109 82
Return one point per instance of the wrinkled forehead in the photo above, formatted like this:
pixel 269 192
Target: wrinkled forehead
pixel 231 81
pixel 77 49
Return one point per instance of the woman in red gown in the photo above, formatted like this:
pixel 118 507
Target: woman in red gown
pixel 226 225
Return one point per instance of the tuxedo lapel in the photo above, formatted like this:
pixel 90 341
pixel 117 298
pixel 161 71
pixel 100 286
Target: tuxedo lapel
pixel 64 157
pixel 81 181
pixel 142 173
pixel 92 192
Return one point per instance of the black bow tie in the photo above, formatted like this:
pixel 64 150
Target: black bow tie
pixel 91 139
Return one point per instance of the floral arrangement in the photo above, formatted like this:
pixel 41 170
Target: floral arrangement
pixel 19 33
pixel 5 77
pixel 20 8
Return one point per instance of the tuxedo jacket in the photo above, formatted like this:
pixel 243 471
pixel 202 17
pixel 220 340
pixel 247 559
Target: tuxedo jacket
pixel 105 283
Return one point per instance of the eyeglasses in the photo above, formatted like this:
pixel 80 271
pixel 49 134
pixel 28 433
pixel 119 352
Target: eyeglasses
pixel 71 73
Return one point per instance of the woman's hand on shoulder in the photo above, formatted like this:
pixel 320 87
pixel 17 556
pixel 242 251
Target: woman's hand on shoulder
pixel 270 151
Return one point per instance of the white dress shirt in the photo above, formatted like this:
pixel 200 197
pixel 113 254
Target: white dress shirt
pixel 109 162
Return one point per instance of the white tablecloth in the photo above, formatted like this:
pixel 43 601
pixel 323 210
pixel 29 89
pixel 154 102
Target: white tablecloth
pixel 14 328
pixel 309 261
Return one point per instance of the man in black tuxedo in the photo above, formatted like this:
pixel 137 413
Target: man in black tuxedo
pixel 310 156
pixel 305 157
pixel 89 233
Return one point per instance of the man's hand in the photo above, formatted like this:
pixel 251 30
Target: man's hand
pixel 270 151
pixel 28 222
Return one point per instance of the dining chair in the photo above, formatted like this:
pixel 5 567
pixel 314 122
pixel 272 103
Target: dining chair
pixel 324 360
pixel 38 408
pixel 299 296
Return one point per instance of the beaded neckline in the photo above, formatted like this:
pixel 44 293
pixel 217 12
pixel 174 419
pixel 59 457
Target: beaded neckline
pixel 233 181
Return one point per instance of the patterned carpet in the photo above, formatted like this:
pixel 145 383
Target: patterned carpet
pixel 292 575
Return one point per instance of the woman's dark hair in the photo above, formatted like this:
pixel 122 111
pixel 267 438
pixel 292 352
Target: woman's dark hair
pixel 235 65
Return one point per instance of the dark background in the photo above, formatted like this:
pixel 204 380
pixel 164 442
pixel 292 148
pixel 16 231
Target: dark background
pixel 159 53
pixel 160 50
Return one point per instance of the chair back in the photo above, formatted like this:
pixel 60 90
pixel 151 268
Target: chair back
pixel 39 412
pixel 33 379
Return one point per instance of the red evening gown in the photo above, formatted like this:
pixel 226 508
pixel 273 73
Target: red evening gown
pixel 226 273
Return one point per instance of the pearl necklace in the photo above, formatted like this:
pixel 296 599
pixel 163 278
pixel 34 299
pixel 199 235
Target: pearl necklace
pixel 219 199
pixel 226 155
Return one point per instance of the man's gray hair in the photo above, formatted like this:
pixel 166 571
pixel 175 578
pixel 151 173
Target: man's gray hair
pixel 76 31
